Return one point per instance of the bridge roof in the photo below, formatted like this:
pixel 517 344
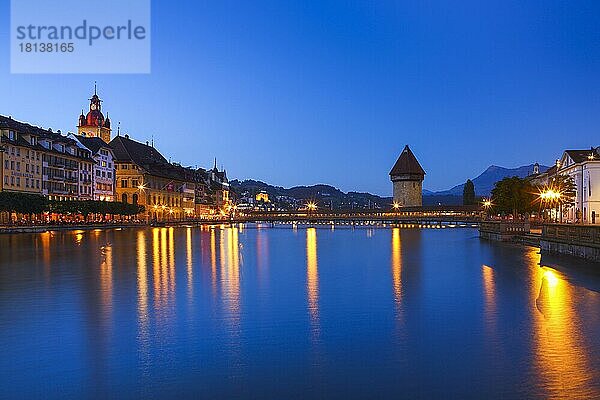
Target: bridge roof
pixel 407 164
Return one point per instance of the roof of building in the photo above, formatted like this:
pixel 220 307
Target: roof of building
pixel 22 127
pixel 126 149
pixel 407 164
pixel 93 143
pixel 579 156
pixel 150 159
pixel 27 129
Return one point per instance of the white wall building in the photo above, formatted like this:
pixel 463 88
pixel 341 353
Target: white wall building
pixel 584 167
pixel 103 176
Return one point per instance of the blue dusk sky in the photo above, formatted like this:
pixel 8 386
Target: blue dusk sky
pixel 330 91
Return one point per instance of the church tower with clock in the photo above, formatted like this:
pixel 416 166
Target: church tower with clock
pixel 94 124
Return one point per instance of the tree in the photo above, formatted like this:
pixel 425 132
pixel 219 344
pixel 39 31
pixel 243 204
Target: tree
pixel 560 193
pixel 513 195
pixel 23 203
pixel 469 193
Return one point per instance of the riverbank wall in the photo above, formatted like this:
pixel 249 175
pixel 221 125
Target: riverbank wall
pixel 503 231
pixel 581 241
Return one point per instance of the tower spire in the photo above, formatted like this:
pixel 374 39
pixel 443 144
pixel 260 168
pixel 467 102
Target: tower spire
pixel 95 88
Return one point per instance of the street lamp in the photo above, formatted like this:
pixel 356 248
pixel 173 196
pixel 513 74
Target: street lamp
pixel 396 206
pixel 550 196
pixel 487 205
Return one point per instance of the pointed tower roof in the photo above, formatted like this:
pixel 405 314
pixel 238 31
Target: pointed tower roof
pixel 407 164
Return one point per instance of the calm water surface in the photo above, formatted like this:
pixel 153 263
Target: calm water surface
pixel 293 313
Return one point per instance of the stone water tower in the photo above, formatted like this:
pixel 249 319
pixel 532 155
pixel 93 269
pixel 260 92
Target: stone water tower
pixel 407 177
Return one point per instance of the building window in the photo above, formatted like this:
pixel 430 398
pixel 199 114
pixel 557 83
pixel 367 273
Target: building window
pixel 123 183
pixel 124 198
pixel 134 198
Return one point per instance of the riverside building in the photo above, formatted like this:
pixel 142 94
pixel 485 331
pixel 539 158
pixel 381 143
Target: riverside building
pixel 103 171
pixel 144 177
pixel 583 166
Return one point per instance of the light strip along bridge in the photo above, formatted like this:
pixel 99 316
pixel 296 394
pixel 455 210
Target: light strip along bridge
pixel 406 215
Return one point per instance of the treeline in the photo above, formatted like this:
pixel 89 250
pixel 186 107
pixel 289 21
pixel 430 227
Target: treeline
pixel 23 203
pixel 517 196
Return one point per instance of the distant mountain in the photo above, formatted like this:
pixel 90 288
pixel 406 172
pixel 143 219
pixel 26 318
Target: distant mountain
pixel 485 182
pixel 331 197
pixel 327 195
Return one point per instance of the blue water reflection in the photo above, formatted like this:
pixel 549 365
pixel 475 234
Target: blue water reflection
pixel 293 312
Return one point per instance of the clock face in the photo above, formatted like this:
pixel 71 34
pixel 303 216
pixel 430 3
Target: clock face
pixel 93 106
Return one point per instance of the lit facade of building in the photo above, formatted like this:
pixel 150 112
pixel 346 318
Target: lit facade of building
pixel 219 188
pixel 20 159
pixel 262 196
pixel 40 161
pixel 103 174
pixel 66 169
pixel 583 166
pixel 145 177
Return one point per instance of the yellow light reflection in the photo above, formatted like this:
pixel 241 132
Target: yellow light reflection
pixel 561 357
pixel 171 265
pixel 46 236
pixel 213 261
pixel 312 278
pixel 142 281
pixel 190 271
pixel 489 292
pixel 156 262
pixel 397 266
pixel 230 270
pixel 106 281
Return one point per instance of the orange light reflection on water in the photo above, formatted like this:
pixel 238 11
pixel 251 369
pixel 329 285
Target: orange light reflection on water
pixel 561 359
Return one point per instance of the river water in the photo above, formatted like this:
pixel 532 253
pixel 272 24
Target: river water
pixel 293 312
